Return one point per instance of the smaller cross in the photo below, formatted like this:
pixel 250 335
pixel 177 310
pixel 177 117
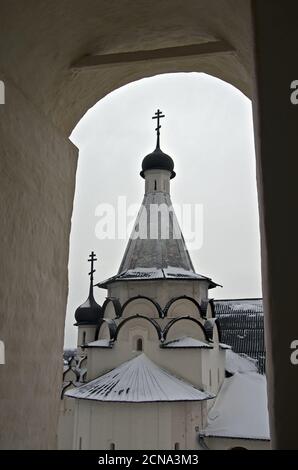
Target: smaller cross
pixel 158 116
pixel 92 258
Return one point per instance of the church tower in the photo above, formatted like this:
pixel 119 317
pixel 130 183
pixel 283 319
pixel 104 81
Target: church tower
pixel 89 314
pixel 154 357
pixel 156 256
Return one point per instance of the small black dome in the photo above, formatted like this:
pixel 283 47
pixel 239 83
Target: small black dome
pixel 89 313
pixel 158 160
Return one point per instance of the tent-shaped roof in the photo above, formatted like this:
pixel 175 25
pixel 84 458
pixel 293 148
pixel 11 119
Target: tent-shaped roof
pixel 156 251
pixel 138 380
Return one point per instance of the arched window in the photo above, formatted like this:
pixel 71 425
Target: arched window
pixel 155 185
pixel 84 337
pixel 177 446
pixel 139 344
pixel 112 446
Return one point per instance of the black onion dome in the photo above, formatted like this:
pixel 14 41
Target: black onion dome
pixel 158 160
pixel 89 313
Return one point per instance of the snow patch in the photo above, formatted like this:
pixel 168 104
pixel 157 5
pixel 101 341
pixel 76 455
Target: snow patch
pixel 240 409
pixel 240 363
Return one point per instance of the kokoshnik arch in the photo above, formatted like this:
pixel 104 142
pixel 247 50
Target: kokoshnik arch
pixel 56 61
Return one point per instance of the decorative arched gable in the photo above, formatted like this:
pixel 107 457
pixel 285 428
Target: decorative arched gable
pixel 111 308
pixel 184 326
pixel 217 331
pixel 143 304
pixel 139 320
pixel 212 327
pixel 106 329
pixel 182 305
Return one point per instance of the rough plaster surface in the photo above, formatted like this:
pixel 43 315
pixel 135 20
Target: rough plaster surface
pixel 42 38
pixel 37 184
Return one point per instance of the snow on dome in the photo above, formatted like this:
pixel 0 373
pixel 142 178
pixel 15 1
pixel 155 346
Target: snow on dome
pixel 240 409
pixel 240 363
pixel 138 380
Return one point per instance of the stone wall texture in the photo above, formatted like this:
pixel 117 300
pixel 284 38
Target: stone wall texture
pixel 37 185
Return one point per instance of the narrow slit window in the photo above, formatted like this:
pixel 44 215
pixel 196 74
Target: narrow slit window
pixel 139 344
pixel 155 185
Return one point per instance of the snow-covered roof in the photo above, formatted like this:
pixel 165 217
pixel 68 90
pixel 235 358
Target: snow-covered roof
pixel 139 380
pixel 186 342
pixel 230 306
pixel 240 363
pixel 224 346
pixel 169 272
pixel 100 343
pixel 240 409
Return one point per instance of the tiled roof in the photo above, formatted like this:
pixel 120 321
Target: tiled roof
pixel 242 327
pixel 138 380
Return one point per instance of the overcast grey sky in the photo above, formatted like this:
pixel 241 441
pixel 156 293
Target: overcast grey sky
pixel 208 132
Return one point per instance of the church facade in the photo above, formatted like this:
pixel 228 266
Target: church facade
pixel 152 363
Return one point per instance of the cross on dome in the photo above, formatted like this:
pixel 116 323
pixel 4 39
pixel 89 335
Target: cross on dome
pixel 158 116
pixel 92 258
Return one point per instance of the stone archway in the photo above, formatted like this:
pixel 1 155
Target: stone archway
pixel 55 64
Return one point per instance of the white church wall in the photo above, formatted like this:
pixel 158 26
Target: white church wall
pixel 159 290
pixel 183 363
pixel 82 421
pixel 224 443
pixel 157 181
pixel 65 433
pixel 213 369
pixel 86 334
pixel 142 426
pixel 101 360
